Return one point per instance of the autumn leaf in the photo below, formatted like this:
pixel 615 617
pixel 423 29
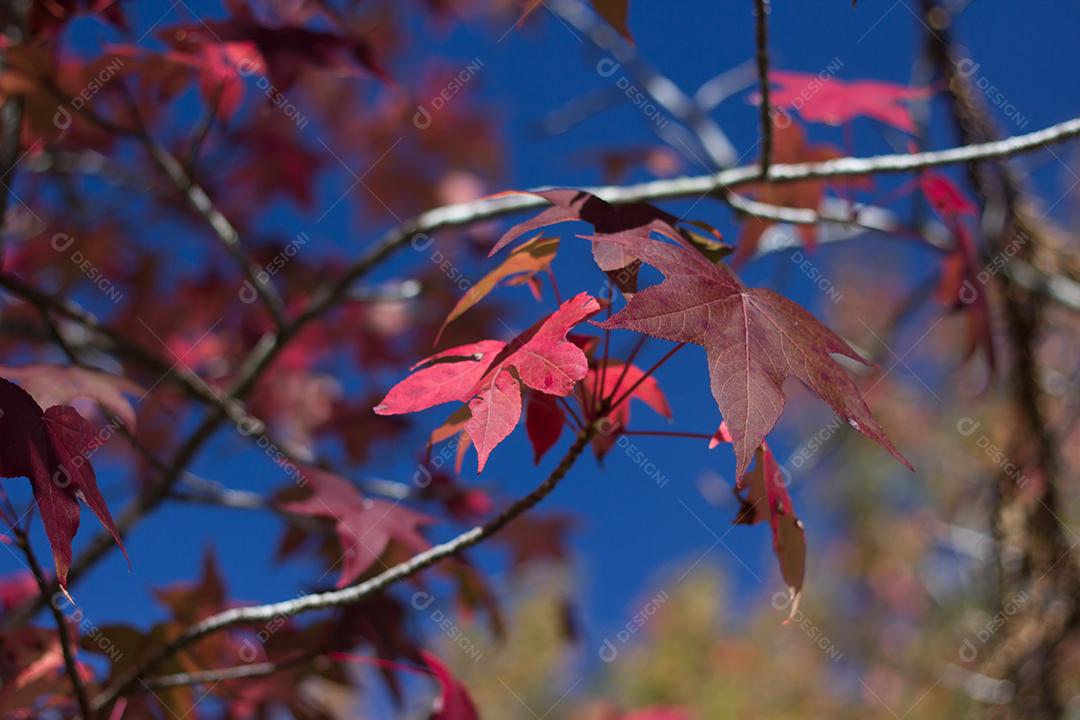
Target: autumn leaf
pixel 754 340
pixel 542 358
pixel 61 384
pixel 448 376
pixel 836 102
pixel 534 538
pixel 766 498
pixel 190 602
pixel 216 67
pixel 31 666
pixel 523 263
pixel 960 287
pixel 15 589
pixel 453 702
pixel 286 50
pixel 944 196
pixel 544 421
pixel 365 526
pixel 569 205
pixel 51 448
pixel 575 205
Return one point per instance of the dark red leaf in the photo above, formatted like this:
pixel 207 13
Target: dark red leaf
pixel 766 498
pixel 544 421
pixel 754 340
pixel 51 449
pixel 365 526
pixel 61 384
pixel 453 702
pixel 574 205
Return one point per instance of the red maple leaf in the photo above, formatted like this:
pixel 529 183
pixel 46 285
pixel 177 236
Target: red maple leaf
pixel 767 498
pixel 60 384
pixel 51 448
pixel 960 286
pixel 489 375
pixel 533 538
pixel 575 205
pixel 365 526
pixel 286 49
pixel 521 266
pixel 544 421
pixel 754 339
pixel 944 196
pixel 835 102
pixel 444 377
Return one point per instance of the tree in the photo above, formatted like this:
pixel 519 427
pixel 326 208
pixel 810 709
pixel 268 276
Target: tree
pixel 187 294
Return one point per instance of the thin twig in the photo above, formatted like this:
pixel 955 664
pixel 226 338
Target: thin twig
pixel 213 677
pixel 668 433
pixel 200 201
pixel 666 94
pixel 578 425
pixel 764 110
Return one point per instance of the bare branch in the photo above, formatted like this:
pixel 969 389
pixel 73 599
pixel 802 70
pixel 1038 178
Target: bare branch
pixel 213 677
pixel 761 14
pixel 200 201
pixel 714 142
pixel 70 664
pixel 355 593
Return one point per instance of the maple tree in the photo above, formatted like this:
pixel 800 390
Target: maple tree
pixel 200 328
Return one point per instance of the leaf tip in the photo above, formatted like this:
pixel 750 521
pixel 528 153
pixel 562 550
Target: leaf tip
pixel 794 597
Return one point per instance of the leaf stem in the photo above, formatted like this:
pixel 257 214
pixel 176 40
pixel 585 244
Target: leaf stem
pixel 668 433
pixel 578 424
pixel 629 361
pixel 609 406
pixel 599 387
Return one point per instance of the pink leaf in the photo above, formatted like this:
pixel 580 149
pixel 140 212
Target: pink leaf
pixel 836 102
pixel 541 358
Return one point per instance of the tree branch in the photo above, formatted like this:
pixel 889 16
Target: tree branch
pixel 714 142
pixel 355 593
pixel 761 15
pixel 70 664
pixel 213 677
pixel 200 201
